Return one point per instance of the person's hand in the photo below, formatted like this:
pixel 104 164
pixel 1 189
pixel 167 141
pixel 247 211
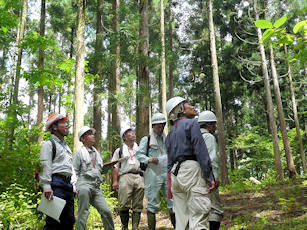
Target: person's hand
pixel 48 193
pixel 211 185
pixel 115 186
pixel 153 160
pixel 75 192
pixel 217 182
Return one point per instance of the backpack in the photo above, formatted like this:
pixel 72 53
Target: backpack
pixel 143 166
pixel 36 172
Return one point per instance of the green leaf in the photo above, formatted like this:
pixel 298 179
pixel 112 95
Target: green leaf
pixel 266 34
pixel 263 24
pixel 299 26
pixel 280 22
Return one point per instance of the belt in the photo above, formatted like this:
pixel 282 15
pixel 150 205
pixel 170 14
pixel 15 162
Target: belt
pixel 135 172
pixel 181 159
pixel 67 179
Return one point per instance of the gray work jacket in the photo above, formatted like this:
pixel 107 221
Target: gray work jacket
pixel 61 164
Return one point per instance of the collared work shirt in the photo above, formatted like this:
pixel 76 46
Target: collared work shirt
pixel 86 172
pixel 131 164
pixel 212 149
pixel 154 150
pixel 185 139
pixel 62 163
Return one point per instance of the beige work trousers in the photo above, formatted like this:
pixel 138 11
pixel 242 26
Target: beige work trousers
pixel 191 197
pixel 131 192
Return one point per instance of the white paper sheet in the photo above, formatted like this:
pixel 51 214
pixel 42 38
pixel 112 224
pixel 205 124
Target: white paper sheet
pixel 52 208
pixel 161 167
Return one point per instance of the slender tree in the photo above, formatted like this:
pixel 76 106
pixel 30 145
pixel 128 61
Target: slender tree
pixel 272 121
pixel 41 58
pixel 170 40
pixel 98 71
pixel 218 104
pixel 79 79
pixel 115 77
pixel 163 66
pixel 143 92
pixel 297 126
pixel 290 163
pixel 16 77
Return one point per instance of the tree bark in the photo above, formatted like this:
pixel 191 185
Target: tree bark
pixel 297 125
pixel 97 81
pixel 40 90
pixel 218 104
pixel 17 64
pixel 115 78
pixel 143 91
pixel 281 117
pixel 171 62
pixel 273 127
pixel 163 66
pixel 79 82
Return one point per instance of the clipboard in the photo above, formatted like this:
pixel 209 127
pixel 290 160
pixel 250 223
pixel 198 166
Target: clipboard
pixel 106 167
pixel 52 208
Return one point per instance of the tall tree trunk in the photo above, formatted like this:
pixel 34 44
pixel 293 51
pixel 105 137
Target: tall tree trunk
pixel 143 91
pixel 297 126
pixel 79 82
pixel 115 77
pixel 40 90
pixel 273 127
pixel 290 163
pixel 171 62
pixel 218 104
pixel 17 64
pixel 163 68
pixel 97 81
pixel 71 54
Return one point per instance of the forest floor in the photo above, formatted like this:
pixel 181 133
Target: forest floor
pixel 278 206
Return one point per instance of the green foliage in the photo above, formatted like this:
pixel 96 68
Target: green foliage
pixel 277 35
pixel 18 209
pixel 257 152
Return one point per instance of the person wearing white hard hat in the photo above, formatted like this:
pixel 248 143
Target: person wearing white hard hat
pixel 57 176
pixel 152 147
pixel 207 121
pixel 88 165
pixel 190 167
pixel 128 180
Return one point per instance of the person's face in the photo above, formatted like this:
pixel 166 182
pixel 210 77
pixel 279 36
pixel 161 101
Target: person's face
pixel 189 111
pixel 62 127
pixel 88 138
pixel 158 128
pixel 130 136
pixel 212 127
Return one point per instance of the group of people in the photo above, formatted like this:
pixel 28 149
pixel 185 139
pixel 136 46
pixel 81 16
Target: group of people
pixel 189 184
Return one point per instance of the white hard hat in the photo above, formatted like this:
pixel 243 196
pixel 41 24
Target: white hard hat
pixel 206 116
pixel 83 130
pixel 54 118
pixel 124 130
pixel 172 103
pixel 158 118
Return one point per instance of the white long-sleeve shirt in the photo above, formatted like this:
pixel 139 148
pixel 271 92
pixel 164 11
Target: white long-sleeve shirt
pixel 61 164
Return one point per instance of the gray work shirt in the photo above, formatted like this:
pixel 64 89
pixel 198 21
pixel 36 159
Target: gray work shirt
pixel 185 139
pixel 212 149
pixel 85 170
pixel 62 163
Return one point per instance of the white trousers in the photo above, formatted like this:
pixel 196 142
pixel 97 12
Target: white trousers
pixel 191 197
